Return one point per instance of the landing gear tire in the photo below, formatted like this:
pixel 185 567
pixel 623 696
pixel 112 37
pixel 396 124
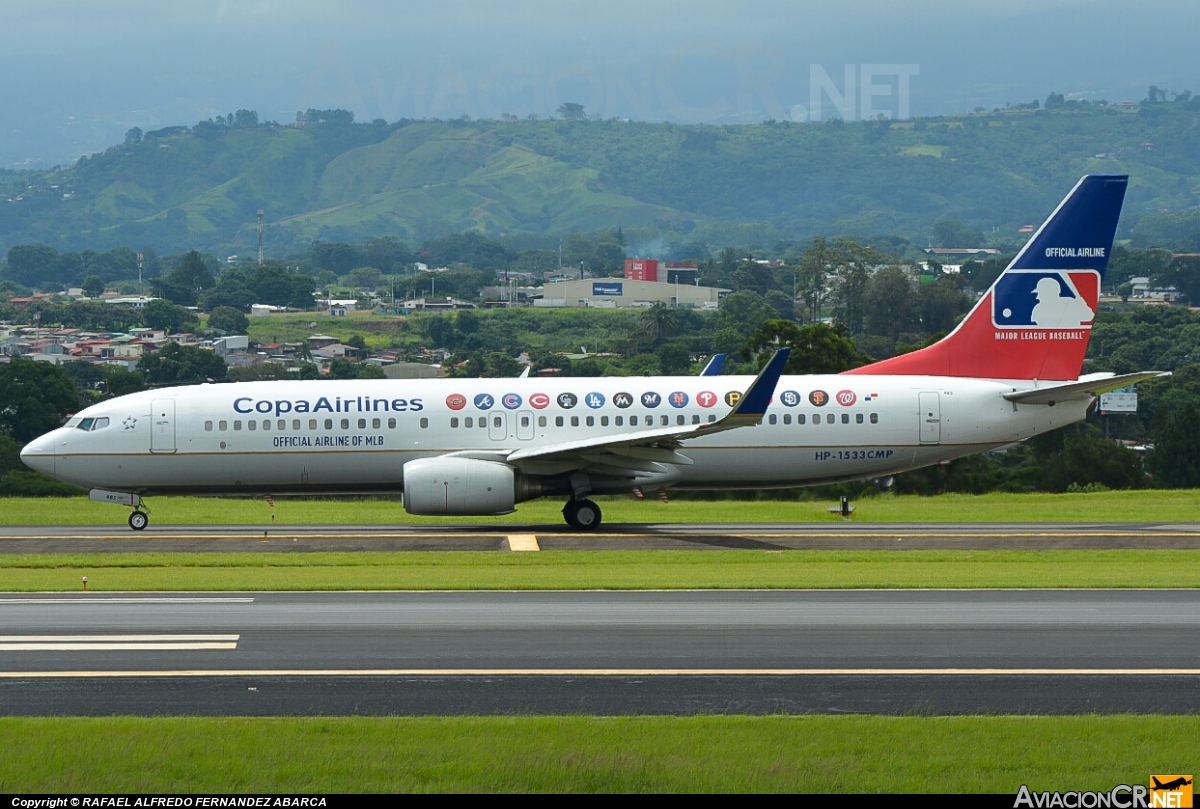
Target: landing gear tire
pixel 582 515
pixel 138 520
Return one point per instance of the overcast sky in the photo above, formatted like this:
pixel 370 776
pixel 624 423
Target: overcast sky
pixel 78 73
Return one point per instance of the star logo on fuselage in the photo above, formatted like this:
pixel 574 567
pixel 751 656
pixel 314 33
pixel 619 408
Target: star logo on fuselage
pixel 130 422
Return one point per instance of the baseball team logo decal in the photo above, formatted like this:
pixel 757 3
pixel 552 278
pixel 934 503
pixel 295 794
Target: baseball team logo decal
pixel 539 401
pixel 594 400
pixel 706 398
pixel 846 398
pixel 484 401
pixel 818 398
pixel 456 401
pixel 623 399
pixel 678 399
pixel 511 401
pixel 789 398
pixel 567 400
pixel 651 399
pixel 733 397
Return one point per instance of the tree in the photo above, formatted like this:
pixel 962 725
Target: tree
pixel 570 111
pixel 363 278
pixel 35 397
pixel 229 320
pixel 175 364
pixel 133 136
pixel 889 306
pixel 1175 462
pixel 953 233
pixel 817 348
pixel 164 315
pixel 657 322
pixel 93 286
pixel 32 264
pixel 186 281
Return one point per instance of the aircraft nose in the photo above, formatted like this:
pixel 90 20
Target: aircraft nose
pixel 38 454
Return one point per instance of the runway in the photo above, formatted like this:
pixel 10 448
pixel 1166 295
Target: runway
pixel 944 652
pixel 667 536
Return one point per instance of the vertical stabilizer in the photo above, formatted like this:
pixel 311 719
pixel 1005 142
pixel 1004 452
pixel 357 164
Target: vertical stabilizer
pixel 1035 321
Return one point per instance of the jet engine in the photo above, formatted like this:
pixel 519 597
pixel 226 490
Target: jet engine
pixel 464 486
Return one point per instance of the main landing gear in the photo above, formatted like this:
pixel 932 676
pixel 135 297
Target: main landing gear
pixel 582 515
pixel 139 520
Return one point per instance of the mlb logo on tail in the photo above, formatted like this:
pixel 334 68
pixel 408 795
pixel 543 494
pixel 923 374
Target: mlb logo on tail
pixel 1046 299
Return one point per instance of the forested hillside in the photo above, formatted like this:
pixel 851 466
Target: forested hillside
pixel 331 179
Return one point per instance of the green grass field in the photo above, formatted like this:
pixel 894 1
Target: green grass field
pixel 599 570
pixel 1176 505
pixel 827 754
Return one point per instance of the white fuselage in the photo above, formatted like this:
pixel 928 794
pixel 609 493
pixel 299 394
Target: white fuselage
pixel 355 436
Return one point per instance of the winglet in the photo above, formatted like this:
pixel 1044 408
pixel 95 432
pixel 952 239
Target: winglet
pixel 714 366
pixel 753 405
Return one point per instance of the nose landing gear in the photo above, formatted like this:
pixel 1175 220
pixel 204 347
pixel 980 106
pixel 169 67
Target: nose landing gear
pixel 139 520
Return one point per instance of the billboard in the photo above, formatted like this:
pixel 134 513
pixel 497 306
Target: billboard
pixel 1119 401
pixel 610 288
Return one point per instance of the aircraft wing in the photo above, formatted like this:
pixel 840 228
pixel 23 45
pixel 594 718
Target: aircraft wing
pixel 1088 387
pixel 639 450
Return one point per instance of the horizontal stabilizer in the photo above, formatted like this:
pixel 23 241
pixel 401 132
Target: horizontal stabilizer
pixel 1083 389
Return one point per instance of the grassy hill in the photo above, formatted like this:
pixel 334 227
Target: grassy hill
pixel 200 187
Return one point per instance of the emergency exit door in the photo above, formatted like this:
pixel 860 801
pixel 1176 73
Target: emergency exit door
pixel 162 426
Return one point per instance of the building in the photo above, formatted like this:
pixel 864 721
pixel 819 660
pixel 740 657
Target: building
pixel 618 293
pixel 641 269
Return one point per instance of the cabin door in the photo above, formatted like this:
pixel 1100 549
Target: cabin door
pixel 162 426
pixel 931 417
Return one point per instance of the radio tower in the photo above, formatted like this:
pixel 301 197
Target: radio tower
pixel 260 237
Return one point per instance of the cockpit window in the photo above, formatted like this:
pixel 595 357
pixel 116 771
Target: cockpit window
pixel 100 423
pixel 73 421
pixel 85 424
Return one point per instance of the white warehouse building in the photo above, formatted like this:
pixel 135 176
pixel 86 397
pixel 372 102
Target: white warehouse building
pixel 625 293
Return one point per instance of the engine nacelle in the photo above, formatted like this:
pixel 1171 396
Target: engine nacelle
pixel 459 486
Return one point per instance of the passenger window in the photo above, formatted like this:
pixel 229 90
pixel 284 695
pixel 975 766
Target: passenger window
pixel 283 424
pixel 312 424
pixel 251 425
pixel 453 422
pixel 208 426
pixel 86 424
pixel 800 418
pixel 681 420
pixel 787 418
pixel 524 421
pixel 266 424
pixel 345 424
pixel 874 418
pixel 604 421
pixel 362 424
pixel 541 421
pixel 633 421
pixel 712 419
pixel 558 421
pixel 374 424
pixel 619 421
pixel 695 418
pixel 295 424
pixel 664 421
pixel 391 424
pixel 574 421
pixel 772 419
pixel 328 424
pixel 222 426
pixel 468 422
pixel 816 418
pixel 497 421
pixel 829 418
pixel 424 424
pixel 591 421
pixel 845 418
pixel 858 418
pixel 237 425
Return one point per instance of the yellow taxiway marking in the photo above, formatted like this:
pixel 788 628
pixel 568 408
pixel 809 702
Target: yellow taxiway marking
pixel 523 542
pixel 782 672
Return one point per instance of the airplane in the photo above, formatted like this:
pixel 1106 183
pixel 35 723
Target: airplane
pixel 1181 781
pixel 1008 371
